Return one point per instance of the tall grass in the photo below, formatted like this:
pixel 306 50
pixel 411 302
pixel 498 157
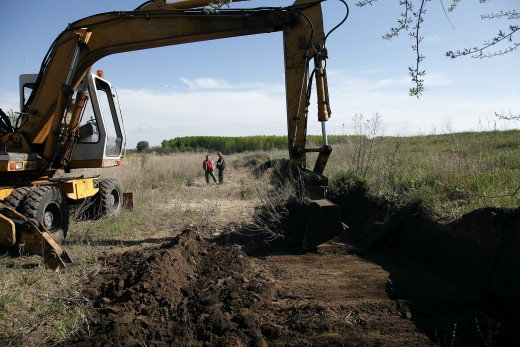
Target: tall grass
pixel 450 174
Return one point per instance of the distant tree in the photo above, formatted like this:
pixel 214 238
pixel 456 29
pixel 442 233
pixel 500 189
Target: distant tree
pixel 142 146
pixel 412 18
pixel 216 5
pixel 508 116
pixel 13 116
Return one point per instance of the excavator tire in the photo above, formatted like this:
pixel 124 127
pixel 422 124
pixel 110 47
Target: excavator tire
pixel 48 206
pixel 15 199
pixel 109 198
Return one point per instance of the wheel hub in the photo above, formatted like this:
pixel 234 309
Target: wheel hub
pixel 48 219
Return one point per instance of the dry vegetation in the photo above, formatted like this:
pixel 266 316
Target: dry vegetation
pixel 170 194
pixel 451 174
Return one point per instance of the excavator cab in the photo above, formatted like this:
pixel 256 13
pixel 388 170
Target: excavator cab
pixel 99 136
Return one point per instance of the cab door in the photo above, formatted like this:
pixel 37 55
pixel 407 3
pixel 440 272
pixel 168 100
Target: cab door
pixel 102 138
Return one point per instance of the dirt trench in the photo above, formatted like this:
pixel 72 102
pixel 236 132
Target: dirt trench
pixel 480 252
pixel 395 278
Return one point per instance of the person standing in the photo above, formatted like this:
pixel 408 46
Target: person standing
pixel 207 165
pixel 221 166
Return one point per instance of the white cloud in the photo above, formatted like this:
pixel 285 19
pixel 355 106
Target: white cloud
pixel 369 72
pixel 364 82
pixel 209 83
pixel 9 101
pixel 253 108
pixel 404 115
pixel 155 117
pixel 432 39
pixel 205 83
pixel 439 79
pixel 388 82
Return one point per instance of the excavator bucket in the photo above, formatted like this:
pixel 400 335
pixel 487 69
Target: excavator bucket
pixel 323 223
pixel 17 229
pixel 323 217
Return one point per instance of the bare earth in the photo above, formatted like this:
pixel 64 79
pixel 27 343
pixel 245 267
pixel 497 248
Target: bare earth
pixel 195 291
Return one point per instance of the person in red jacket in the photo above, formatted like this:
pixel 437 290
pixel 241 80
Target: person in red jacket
pixel 208 166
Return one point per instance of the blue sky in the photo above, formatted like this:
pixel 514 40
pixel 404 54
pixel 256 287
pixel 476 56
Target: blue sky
pixel 235 87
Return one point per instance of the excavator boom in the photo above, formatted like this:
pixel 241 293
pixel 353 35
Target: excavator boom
pixel 54 134
pixel 159 24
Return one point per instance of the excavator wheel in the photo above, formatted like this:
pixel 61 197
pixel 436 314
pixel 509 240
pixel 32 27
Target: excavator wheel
pixel 48 206
pixel 109 200
pixel 16 198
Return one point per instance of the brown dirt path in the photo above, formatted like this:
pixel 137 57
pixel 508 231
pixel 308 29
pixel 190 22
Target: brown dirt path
pixel 341 299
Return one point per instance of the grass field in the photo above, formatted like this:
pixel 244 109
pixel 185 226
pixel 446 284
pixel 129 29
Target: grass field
pixel 450 174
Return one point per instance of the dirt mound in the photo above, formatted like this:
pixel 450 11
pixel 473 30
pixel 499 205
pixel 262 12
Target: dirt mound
pixel 192 292
pixel 185 291
pixel 251 161
pixel 278 171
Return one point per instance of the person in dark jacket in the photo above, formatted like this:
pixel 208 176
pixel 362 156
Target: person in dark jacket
pixel 221 166
pixel 207 165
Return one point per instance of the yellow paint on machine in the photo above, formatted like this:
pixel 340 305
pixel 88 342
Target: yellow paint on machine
pixel 7 231
pixel 78 188
pixel 5 192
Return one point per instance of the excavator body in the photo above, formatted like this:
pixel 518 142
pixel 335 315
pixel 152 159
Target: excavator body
pixel 70 117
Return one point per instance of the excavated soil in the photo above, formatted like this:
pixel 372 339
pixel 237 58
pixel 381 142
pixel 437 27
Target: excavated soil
pixel 194 292
pixel 394 278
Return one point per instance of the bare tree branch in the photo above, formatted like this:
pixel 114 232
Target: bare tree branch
pixel 510 116
pixel 411 21
pixel 479 51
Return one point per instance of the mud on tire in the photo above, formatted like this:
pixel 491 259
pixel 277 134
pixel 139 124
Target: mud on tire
pixel 48 206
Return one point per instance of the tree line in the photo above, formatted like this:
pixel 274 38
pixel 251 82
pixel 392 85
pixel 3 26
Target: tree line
pixel 230 145
pixel 225 144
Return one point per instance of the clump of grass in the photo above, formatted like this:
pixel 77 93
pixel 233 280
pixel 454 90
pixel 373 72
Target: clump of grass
pixel 273 211
pixel 32 300
pixel 450 174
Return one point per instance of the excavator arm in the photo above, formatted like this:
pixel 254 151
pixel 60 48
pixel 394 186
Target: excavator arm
pixel 51 126
pixel 158 24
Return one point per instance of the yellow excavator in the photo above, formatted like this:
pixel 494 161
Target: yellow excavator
pixel 70 118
